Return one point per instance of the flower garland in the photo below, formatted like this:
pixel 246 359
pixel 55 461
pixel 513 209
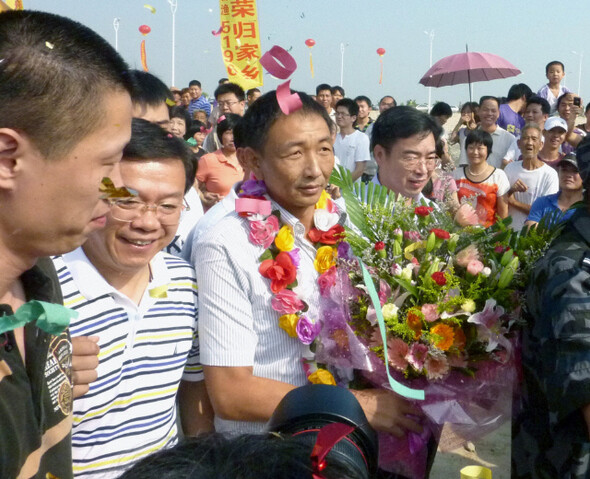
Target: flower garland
pixel 280 262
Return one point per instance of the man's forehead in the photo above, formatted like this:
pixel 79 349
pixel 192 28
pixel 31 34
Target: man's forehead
pixel 227 96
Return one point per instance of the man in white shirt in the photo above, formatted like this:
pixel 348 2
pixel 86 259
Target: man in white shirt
pixel 504 147
pixel 529 178
pixel 250 363
pixel 140 306
pixel 351 146
pixel 404 146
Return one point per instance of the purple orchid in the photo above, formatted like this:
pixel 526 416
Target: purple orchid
pixel 254 187
pixel 489 326
pixel 307 330
pixel 345 251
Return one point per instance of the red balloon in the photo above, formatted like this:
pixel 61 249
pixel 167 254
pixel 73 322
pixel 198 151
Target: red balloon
pixel 381 51
pixel 144 30
pixel 310 42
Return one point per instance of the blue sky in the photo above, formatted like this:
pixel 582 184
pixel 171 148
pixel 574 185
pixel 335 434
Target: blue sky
pixel 528 34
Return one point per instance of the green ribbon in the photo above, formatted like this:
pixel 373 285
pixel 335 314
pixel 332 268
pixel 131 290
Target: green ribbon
pixel 51 318
pixel 397 387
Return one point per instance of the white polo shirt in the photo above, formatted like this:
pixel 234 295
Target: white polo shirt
pixel 145 350
pixel 352 149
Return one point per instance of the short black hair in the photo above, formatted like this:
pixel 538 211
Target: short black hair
pixel 194 127
pixel 322 87
pixel 519 90
pixel 402 122
pixel 554 62
pixel 54 76
pixel 148 89
pixel 561 97
pixel 479 137
pixel 252 130
pixel 230 88
pixel 151 142
pixel 338 89
pixel 252 91
pixel 226 122
pixel 181 112
pixel 537 100
pixel 388 96
pixel 488 97
pixel 194 82
pixel 441 108
pixel 222 80
pixel 364 98
pixel 350 105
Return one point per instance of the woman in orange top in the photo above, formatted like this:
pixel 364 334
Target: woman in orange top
pixel 481 182
pixel 218 171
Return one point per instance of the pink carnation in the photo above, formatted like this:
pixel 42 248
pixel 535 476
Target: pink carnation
pixel 412 235
pixel 384 292
pixel 437 366
pixel 475 267
pixel 397 350
pixel 263 232
pixel 417 355
pixel 465 256
pixel 327 280
pixel 430 312
pixel 286 302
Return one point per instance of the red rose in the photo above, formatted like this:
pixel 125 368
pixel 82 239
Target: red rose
pixel 379 245
pixel 281 271
pixel 327 280
pixel 442 234
pixel 423 210
pixel 439 278
pixel 332 236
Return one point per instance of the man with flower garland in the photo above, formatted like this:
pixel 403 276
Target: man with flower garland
pixel 261 268
pixel 551 431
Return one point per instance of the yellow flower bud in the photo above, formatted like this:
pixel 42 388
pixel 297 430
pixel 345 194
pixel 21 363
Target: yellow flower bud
pixel 322 376
pixel 389 311
pixel 288 322
pixel 468 306
pixel 285 240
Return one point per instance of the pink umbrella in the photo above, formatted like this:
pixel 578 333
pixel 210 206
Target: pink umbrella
pixel 468 67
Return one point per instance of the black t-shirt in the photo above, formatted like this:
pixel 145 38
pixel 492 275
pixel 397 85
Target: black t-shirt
pixel 36 400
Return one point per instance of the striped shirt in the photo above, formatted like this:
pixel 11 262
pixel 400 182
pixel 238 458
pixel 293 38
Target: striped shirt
pixel 237 325
pixel 130 411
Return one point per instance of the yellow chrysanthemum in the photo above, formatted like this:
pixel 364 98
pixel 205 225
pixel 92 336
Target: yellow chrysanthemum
pixel 322 376
pixel 323 201
pixel 285 241
pixel 325 259
pixel 446 336
pixel 289 323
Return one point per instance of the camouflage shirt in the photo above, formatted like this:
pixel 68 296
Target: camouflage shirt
pixel 550 438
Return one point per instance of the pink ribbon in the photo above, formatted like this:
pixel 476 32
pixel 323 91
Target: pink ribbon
pixel 253 206
pixel 272 60
pixel 216 33
pixel 288 102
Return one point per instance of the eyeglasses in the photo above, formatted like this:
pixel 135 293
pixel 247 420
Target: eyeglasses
pixel 338 113
pixel 429 163
pixel 227 103
pixel 129 210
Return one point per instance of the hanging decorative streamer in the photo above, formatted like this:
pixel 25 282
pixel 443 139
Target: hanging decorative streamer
pixel 310 42
pixel 143 57
pixel 381 52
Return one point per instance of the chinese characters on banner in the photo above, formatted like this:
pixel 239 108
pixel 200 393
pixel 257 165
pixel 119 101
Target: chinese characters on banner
pixel 240 42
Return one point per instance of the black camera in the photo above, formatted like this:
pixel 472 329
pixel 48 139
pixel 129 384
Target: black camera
pixel 303 413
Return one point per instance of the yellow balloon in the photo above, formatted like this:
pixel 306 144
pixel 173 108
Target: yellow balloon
pixel 150 8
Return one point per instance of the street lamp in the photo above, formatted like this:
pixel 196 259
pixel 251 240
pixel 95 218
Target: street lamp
pixel 342 48
pixel 173 5
pixel 116 22
pixel 431 36
pixel 581 55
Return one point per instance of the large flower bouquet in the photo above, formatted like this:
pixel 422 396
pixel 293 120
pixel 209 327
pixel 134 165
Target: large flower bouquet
pixel 431 305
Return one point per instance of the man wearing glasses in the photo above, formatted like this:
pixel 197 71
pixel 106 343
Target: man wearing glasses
pixel 140 306
pixel 351 146
pixel 230 98
pixel 403 143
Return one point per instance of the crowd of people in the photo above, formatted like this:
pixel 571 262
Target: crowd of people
pixel 112 212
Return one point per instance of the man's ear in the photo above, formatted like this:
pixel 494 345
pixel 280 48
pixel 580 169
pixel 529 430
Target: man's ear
pixel 250 161
pixel 11 146
pixel 379 153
